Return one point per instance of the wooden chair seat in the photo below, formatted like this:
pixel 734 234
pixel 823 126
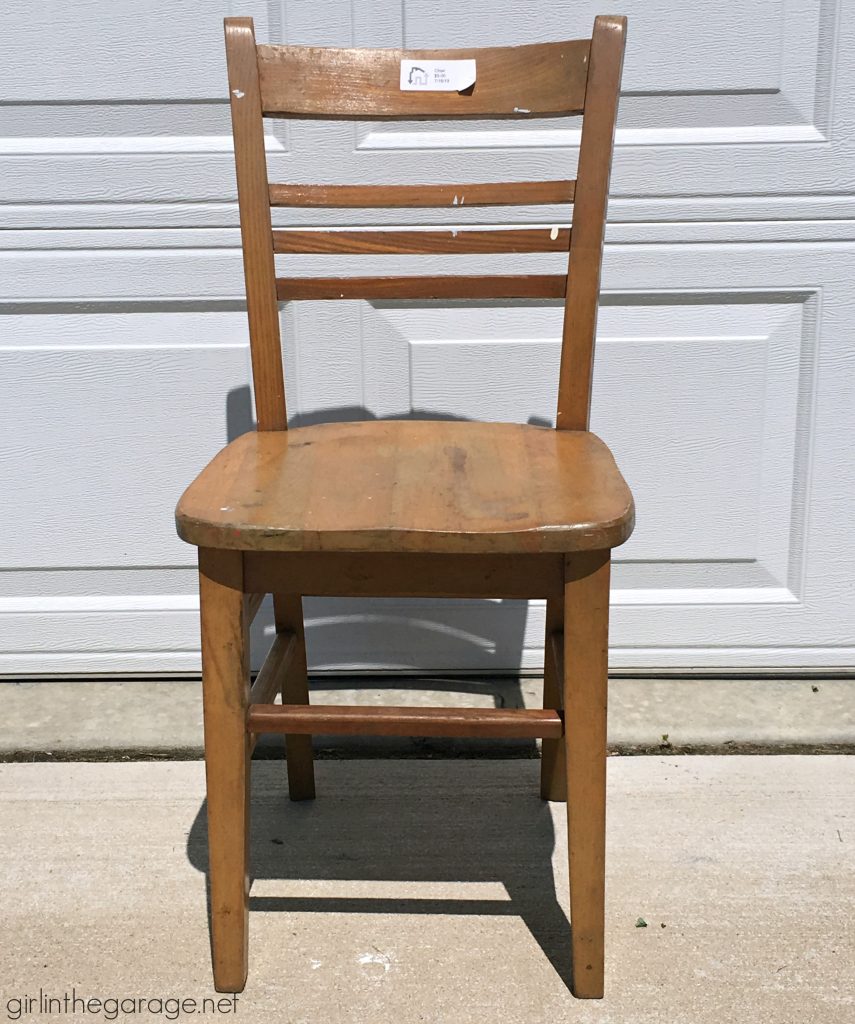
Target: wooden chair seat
pixel 410 486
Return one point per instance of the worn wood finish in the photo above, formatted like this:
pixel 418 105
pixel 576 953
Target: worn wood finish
pixel 518 193
pixel 534 286
pixel 288 616
pixel 377 574
pixel 553 777
pixel 268 682
pixel 512 81
pixel 589 223
pixel 225 690
pixel 255 226
pixel 342 720
pixel 410 485
pixel 413 241
pixel 586 655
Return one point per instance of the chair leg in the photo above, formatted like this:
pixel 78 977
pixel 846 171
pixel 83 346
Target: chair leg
pixel 586 627
pixel 553 778
pixel 288 614
pixel 225 684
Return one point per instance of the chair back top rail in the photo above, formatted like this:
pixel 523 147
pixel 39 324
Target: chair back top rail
pixel 544 79
pixel 540 80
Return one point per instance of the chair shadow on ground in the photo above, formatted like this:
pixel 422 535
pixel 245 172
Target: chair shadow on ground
pixel 413 833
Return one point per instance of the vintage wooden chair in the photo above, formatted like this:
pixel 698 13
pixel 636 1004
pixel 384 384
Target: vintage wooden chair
pixel 411 508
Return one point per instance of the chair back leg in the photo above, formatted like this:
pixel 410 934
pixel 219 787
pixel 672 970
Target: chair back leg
pixel 553 778
pixel 288 613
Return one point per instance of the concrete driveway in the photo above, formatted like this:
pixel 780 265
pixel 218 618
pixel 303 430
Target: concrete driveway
pixel 435 891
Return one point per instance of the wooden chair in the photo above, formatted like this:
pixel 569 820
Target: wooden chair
pixel 411 508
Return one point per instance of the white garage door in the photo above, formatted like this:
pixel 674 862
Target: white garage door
pixel 725 362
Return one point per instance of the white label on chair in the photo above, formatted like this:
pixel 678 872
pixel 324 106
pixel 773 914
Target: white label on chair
pixel 437 75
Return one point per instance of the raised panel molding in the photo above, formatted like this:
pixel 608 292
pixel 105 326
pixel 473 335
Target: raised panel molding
pixel 132 145
pixel 388 139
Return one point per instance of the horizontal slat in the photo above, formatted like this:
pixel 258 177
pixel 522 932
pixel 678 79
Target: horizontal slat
pixel 411 242
pixel 520 193
pixel 336 720
pixel 534 286
pixel 378 574
pixel 538 79
pixel 268 682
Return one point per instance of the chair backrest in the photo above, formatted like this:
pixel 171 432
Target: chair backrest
pixel 549 79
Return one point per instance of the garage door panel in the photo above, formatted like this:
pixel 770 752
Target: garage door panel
pixel 166 51
pixel 757 73
pixel 702 418
pixel 724 373
pixel 110 433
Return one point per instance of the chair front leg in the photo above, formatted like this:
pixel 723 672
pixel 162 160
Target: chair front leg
pixel 288 614
pixel 586 643
pixel 225 687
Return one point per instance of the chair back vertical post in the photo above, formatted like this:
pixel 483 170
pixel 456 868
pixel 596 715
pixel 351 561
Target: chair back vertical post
pixel 589 222
pixel 255 225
